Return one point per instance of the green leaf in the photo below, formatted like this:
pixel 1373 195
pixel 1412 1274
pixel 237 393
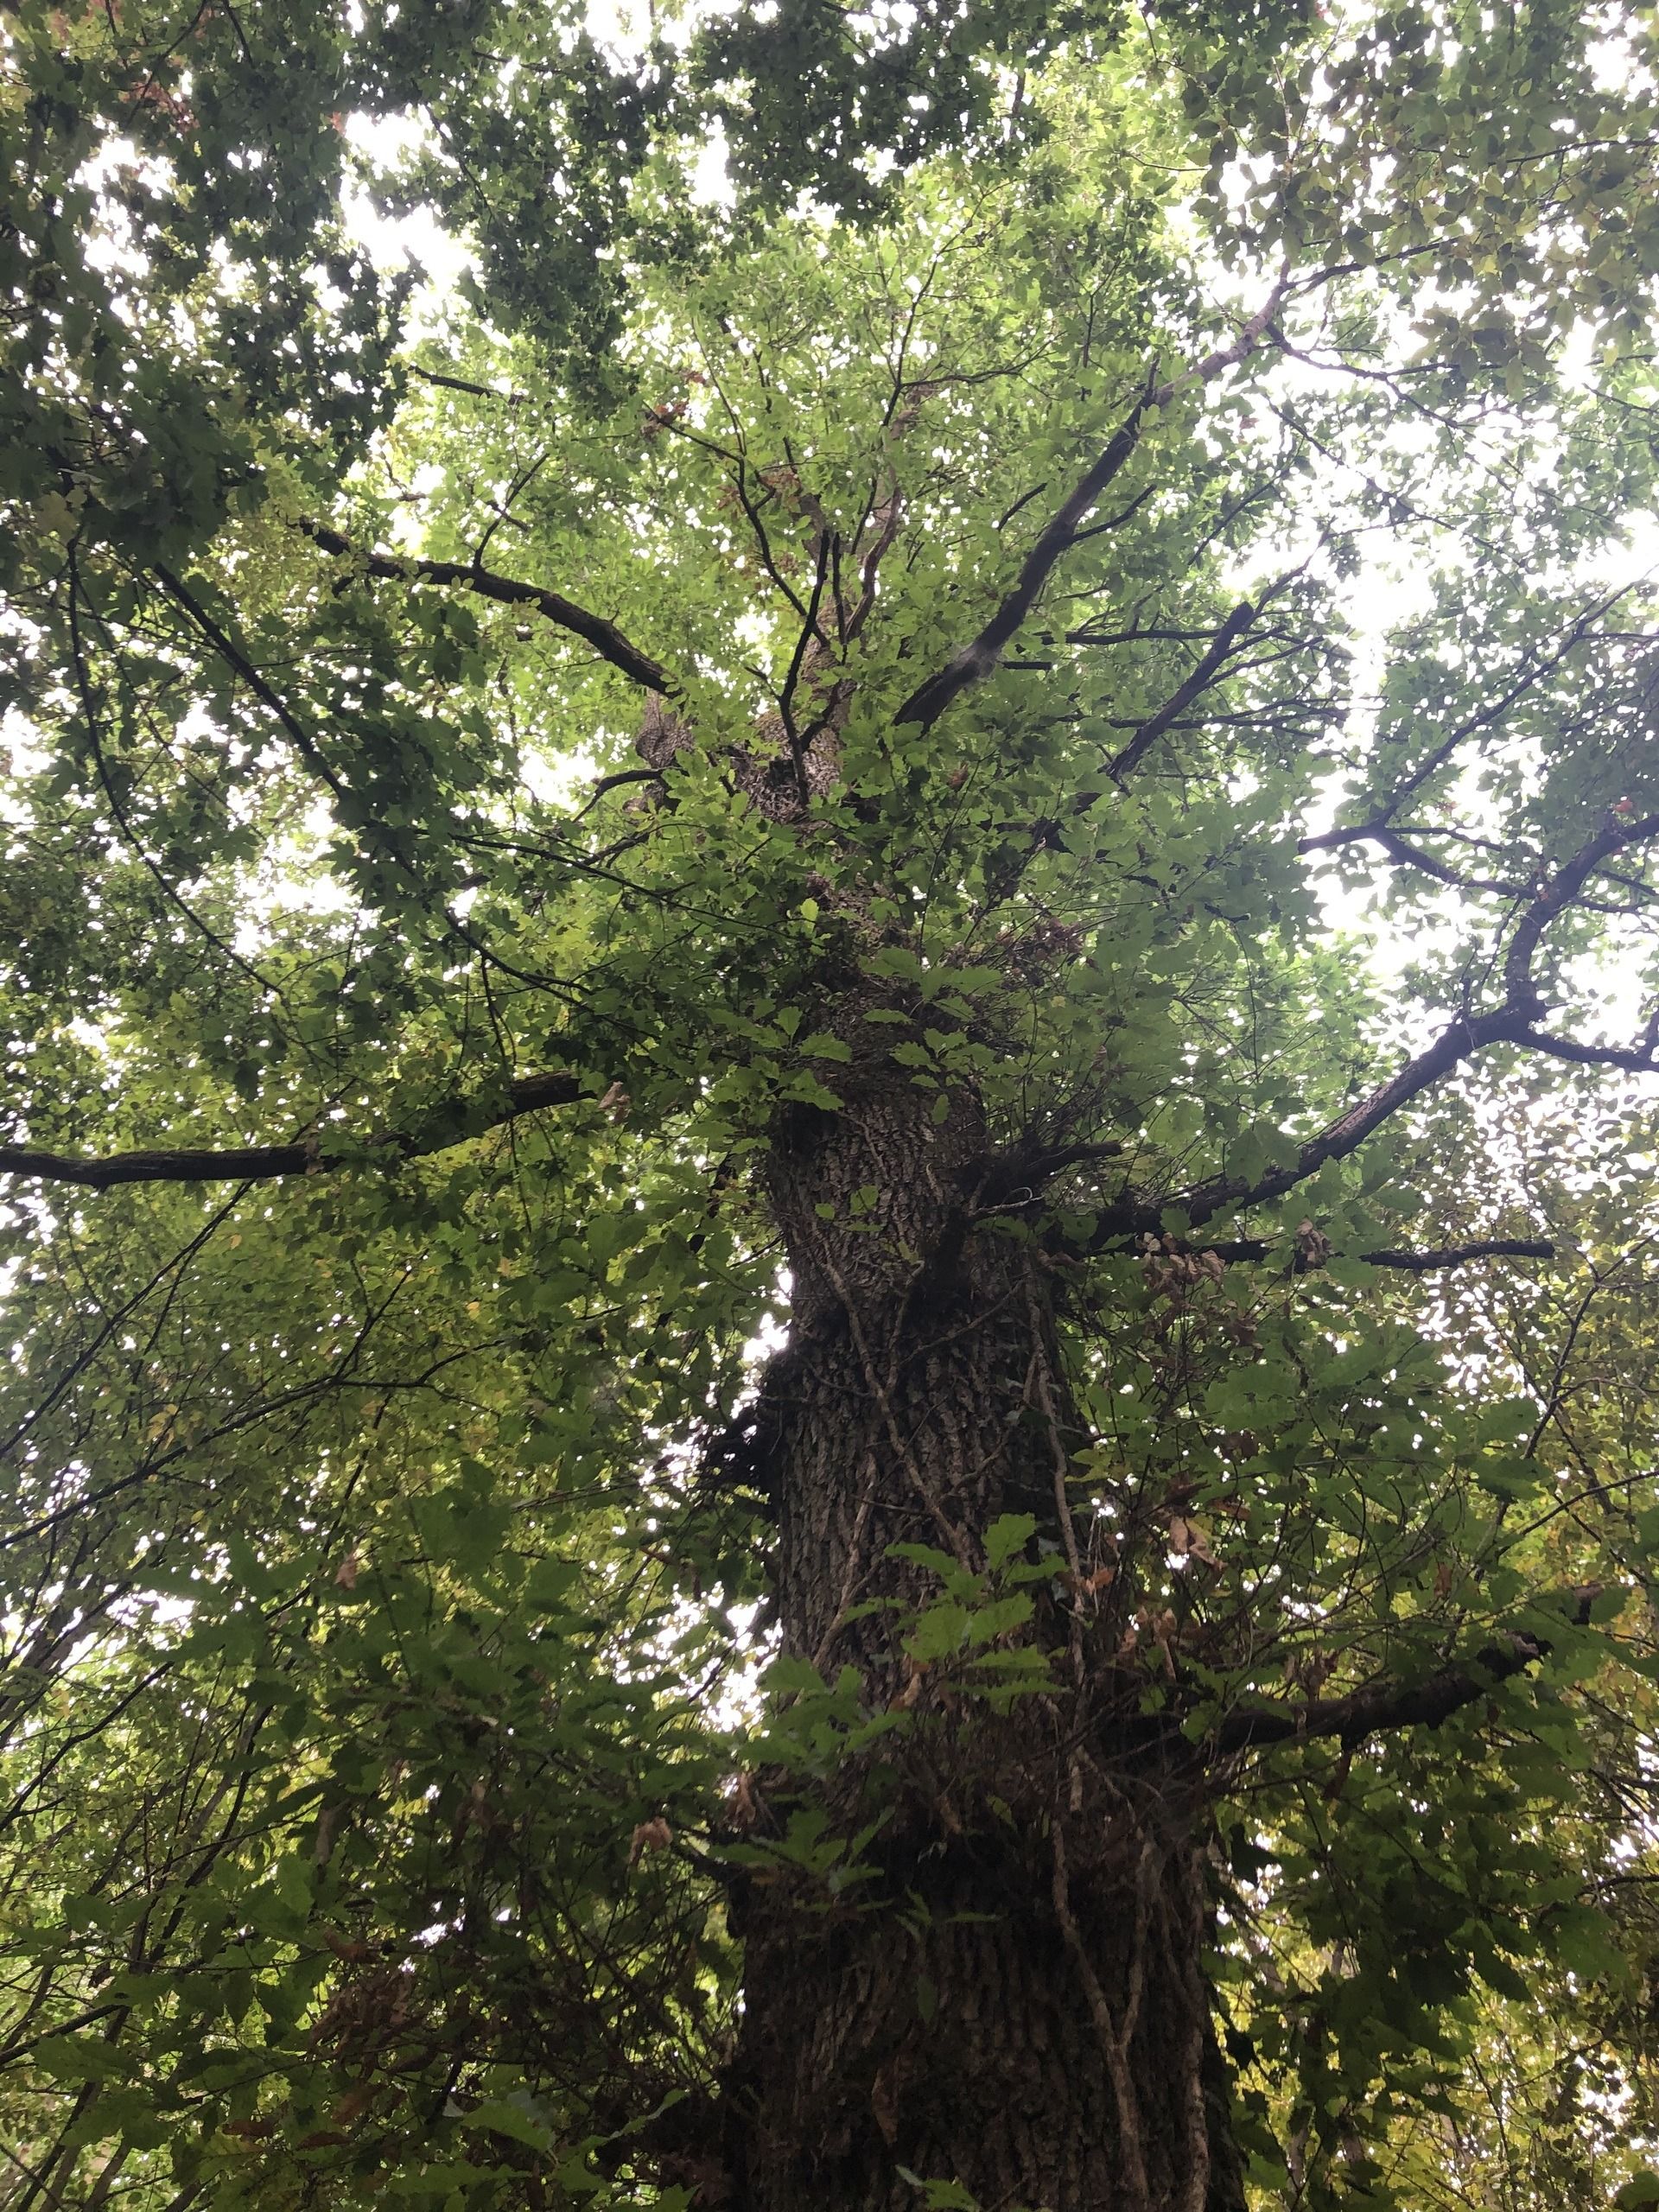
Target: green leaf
pixel 80 2059
pixel 942 1630
pixel 503 2116
pixel 1009 1533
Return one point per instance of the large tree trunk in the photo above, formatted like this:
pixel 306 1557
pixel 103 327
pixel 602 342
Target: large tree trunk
pixel 1015 2001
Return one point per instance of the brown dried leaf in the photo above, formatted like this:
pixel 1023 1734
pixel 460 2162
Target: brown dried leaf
pixel 746 1810
pixel 1197 1546
pixel 347 1948
pixel 649 1835
pixel 1313 1245
pixel 1090 1585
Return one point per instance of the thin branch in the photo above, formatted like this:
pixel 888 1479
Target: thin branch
pixel 1125 514
pixel 234 658
pixel 1482 719
pixel 524 1095
pixel 762 542
pixel 610 783
pixel 1024 500
pixel 1403 855
pixel 84 687
pixel 1635 1060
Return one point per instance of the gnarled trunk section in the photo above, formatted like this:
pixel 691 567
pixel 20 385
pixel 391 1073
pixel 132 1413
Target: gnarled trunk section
pixel 1015 1999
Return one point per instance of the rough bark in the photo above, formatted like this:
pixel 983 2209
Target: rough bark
pixel 1015 1999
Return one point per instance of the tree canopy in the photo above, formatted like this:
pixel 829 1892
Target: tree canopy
pixel 828 1023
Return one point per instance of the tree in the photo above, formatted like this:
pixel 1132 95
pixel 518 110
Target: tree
pixel 773 1439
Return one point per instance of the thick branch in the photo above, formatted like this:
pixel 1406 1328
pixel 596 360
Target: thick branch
pixel 1510 1025
pixel 607 640
pixel 1385 1705
pixel 1181 698
pixel 250 1163
pixel 1344 1136
pixel 447 383
pixel 977 659
pixel 1616 834
pixel 1457 1255
pixel 1412 1261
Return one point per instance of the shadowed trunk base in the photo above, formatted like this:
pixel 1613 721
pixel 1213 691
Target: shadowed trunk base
pixel 1045 2055
pixel 1014 2001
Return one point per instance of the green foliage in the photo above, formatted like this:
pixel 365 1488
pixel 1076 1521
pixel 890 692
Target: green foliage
pixel 385 1659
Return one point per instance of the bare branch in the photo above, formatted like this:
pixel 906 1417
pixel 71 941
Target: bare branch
pixel 1413 1263
pixel 1181 698
pixel 465 384
pixel 1384 1706
pixel 977 659
pixel 607 640
pixel 448 1126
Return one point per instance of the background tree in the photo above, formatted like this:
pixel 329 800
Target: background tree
pixel 677 1016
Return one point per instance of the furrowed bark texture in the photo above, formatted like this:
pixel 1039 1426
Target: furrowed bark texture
pixel 1016 2000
